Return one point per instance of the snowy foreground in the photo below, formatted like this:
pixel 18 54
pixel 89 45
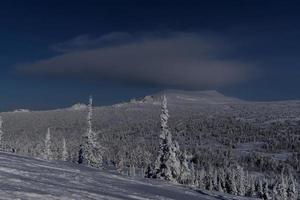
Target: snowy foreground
pixel 28 178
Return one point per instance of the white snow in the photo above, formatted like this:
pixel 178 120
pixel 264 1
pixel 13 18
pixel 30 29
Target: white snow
pixel 79 106
pixel 28 178
pixel 21 111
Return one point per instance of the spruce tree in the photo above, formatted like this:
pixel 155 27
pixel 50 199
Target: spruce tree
pixel 221 178
pixel 167 165
pixel 132 171
pixel 1 133
pixel 215 179
pixel 252 191
pixel 90 152
pixel 201 177
pixel 193 174
pixel 220 188
pixel 292 193
pixel 234 189
pixel 231 183
pixel 64 155
pixel 210 184
pixel 241 181
pixel 282 188
pixel 260 189
pixel 275 194
pixel 185 172
pixel 266 195
pixel 47 148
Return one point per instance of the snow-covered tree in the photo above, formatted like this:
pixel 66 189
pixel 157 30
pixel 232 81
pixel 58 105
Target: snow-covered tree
pixel 252 191
pixel 291 189
pixel 193 174
pixel 231 182
pixel 210 184
pixel 221 179
pixel 220 188
pixel 266 195
pixel 1 132
pixel 91 152
pixel 209 178
pixel 47 149
pixel 241 181
pixel 132 171
pixel 274 193
pixel 260 188
pixel 201 176
pixel 185 176
pixel 167 165
pixel 64 155
pixel 282 188
pixel 215 179
pixel 247 182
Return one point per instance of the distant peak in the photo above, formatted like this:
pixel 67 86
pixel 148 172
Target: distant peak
pixel 188 96
pixel 191 92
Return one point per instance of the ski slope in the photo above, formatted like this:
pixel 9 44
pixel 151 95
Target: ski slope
pixel 28 178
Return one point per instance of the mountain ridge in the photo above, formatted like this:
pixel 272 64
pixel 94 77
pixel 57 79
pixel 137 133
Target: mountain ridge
pixel 182 96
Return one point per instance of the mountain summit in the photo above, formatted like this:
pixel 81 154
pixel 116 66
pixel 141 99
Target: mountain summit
pixel 192 97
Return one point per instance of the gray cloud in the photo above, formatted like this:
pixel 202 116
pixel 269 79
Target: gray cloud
pixel 177 59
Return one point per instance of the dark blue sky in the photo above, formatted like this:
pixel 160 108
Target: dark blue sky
pixel 255 44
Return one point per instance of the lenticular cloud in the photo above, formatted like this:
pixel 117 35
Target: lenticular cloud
pixel 178 59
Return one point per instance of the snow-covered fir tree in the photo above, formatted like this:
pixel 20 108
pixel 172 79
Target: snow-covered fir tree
pixel 90 152
pixel 241 181
pixel 247 182
pixel 221 179
pixel 193 174
pixel 209 178
pixel 292 193
pixel 132 171
pixel 185 176
pixel 215 179
pixel 231 182
pixel 201 177
pixel 210 184
pixel 252 191
pixel 167 165
pixel 282 188
pixel 47 155
pixel 260 188
pixel 266 195
pixel 120 165
pixel 1 133
pixel 275 195
pixel 64 155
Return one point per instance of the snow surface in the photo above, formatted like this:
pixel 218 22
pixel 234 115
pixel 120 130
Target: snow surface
pixel 79 106
pixel 28 178
pixel 21 110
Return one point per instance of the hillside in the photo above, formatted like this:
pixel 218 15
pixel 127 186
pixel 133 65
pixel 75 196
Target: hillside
pixel 218 132
pixel 193 114
pixel 31 179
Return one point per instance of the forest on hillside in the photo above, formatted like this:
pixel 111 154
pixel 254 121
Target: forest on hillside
pixel 240 148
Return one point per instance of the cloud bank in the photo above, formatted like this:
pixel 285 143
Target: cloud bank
pixel 175 59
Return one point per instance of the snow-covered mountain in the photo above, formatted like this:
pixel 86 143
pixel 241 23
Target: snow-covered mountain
pixel 262 137
pixel 195 97
pixel 31 179
pixel 25 131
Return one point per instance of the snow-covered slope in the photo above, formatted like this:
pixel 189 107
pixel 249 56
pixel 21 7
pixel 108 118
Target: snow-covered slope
pixel 205 123
pixel 193 113
pixel 28 178
pixel 197 97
